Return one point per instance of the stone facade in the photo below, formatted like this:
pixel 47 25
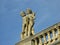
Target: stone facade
pixel 48 36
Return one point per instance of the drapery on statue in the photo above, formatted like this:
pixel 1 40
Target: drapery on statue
pixel 31 17
pixel 28 22
pixel 24 25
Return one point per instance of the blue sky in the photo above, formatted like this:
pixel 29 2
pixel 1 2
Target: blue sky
pixel 47 14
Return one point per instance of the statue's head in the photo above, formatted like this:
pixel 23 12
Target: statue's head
pixel 22 13
pixel 28 11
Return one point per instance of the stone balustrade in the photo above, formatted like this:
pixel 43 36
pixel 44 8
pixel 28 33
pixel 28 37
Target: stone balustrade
pixel 48 36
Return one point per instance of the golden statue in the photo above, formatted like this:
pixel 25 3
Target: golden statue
pixel 24 25
pixel 28 22
pixel 31 17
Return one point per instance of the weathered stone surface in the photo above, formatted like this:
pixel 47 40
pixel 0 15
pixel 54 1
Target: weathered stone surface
pixel 48 36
